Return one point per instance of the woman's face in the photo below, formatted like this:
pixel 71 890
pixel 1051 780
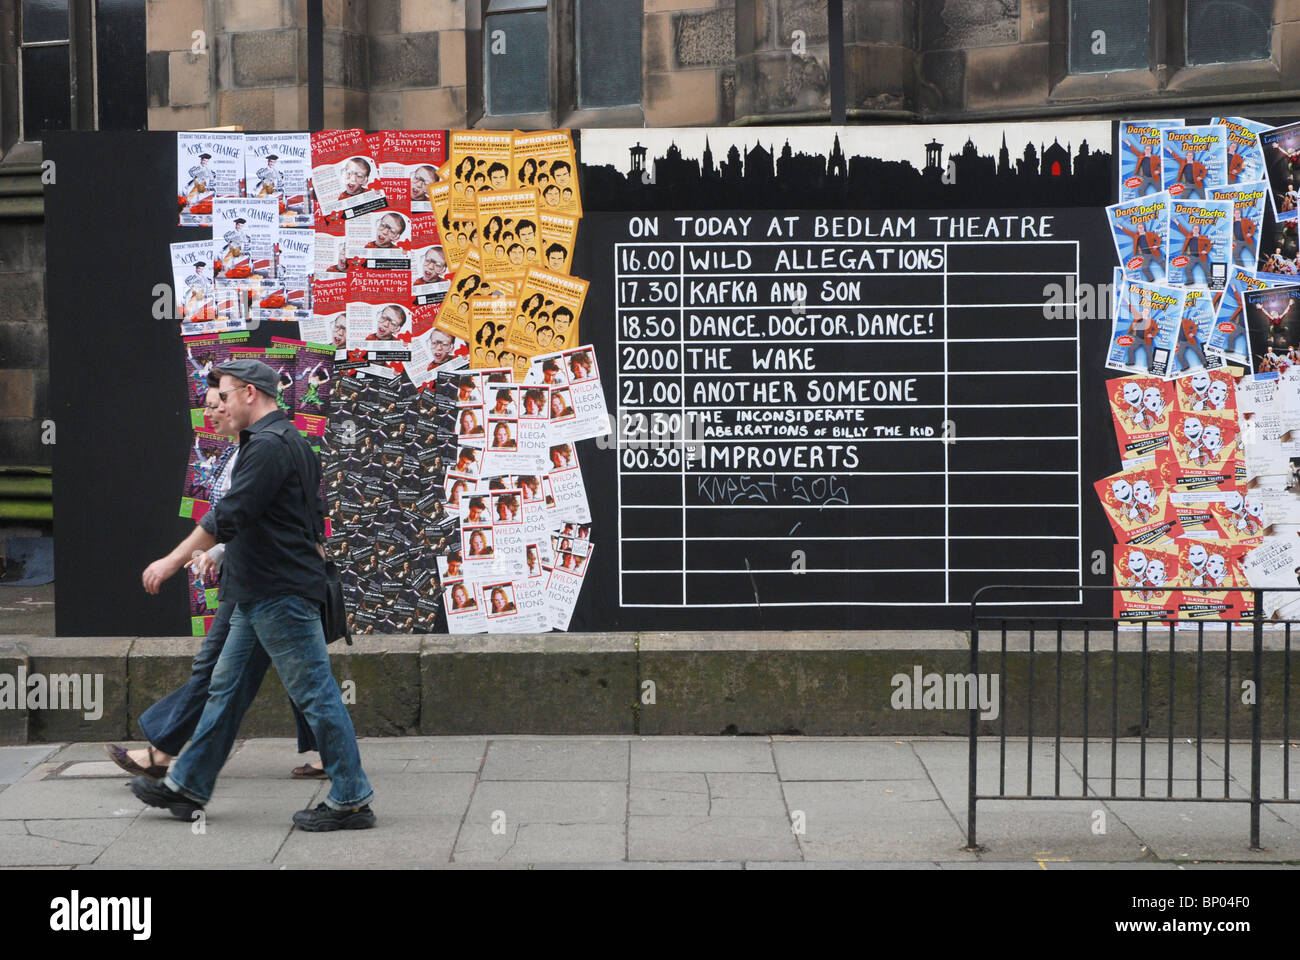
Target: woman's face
pixel 557 405
pixel 498 600
pixel 502 435
pixel 458 596
pixel 476 541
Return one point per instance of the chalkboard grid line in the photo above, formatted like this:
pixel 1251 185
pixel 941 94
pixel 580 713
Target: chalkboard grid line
pixel 777 536
pixel 681 341
pixel 885 570
pixel 892 373
pixel 660 308
pixel 856 506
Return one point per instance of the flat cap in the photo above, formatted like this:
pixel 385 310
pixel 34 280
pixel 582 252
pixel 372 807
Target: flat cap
pixel 251 371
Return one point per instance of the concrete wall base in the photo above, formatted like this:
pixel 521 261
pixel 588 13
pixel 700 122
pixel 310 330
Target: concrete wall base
pixel 859 683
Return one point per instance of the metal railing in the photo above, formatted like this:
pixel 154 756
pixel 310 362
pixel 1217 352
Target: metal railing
pixel 1077 638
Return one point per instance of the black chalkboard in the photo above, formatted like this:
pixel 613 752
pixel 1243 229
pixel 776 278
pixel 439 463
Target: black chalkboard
pixel 788 339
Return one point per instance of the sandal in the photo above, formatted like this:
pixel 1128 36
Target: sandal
pixel 155 771
pixel 308 772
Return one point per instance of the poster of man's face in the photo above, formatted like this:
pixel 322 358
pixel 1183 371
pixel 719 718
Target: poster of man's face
pixel 389 321
pixel 433 265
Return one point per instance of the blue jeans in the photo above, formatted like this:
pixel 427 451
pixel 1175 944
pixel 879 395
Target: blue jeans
pixel 288 628
pixel 170 722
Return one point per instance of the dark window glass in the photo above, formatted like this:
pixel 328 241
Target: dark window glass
pixel 119 31
pixel 47 91
pixel 517 63
pixel 1108 35
pixel 1225 31
pixel 45 20
pixel 609 53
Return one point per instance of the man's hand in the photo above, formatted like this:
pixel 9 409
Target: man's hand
pixel 161 569
pixel 202 564
pixel 158 571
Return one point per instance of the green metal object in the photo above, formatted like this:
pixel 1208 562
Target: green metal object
pixel 13 208
pixel 30 488
pixel 26 510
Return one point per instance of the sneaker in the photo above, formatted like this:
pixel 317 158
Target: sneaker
pixel 325 817
pixel 158 794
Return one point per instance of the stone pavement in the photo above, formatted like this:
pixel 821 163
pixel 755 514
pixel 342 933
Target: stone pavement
pixel 731 803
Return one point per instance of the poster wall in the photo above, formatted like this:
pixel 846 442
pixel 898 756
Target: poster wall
pixel 816 377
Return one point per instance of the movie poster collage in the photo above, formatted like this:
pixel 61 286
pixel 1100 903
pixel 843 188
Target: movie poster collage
pixel 1206 330
pixel 411 261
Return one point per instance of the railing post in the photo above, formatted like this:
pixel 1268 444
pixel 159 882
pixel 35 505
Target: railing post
pixel 1255 720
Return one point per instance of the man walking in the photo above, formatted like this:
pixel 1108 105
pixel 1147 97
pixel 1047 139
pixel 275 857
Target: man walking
pixel 170 722
pixel 277 582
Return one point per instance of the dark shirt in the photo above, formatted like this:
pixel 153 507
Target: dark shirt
pixel 271 551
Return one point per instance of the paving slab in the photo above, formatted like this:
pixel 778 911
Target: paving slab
pixel 659 794
pixel 642 803
pixel 1131 789
pixel 295 792
pixel 705 755
pixel 553 842
pixel 1202 865
pixel 710 838
pixel 15 762
pixel 233 830
pixel 845 760
pixel 842 865
pixel 276 765
pixel 400 836
pixel 1205 831
pixel 417 748
pixel 556 760
pixel 99 769
pixel 544 802
pixel 980 863
pixel 539 865
pixel 1128 759
pixel 745 795
pixel 1288 812
pixel 68 800
pixel 946 763
pixel 433 793
pixel 1271 768
pixel 1049 829
pixel 56 842
pixel 984 863
pixel 85 751
pixel 450 755
pixel 873 820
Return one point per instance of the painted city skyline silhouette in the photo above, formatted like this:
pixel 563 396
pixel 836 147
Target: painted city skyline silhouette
pixel 762 176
